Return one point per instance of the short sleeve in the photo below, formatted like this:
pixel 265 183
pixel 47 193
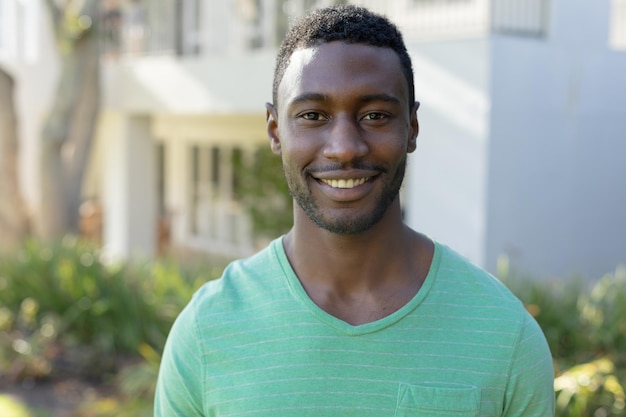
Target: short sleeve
pixel 179 385
pixel 530 391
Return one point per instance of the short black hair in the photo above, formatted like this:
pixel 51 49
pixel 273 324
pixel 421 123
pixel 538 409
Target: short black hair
pixel 351 24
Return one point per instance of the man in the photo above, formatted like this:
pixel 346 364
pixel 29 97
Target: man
pixel 351 313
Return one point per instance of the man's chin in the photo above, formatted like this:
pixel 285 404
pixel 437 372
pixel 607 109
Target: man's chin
pixel 346 224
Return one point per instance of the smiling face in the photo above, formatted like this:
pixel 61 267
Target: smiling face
pixel 343 126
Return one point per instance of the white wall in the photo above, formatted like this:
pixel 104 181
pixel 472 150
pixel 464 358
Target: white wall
pixel 557 166
pixel 445 184
pixel 221 84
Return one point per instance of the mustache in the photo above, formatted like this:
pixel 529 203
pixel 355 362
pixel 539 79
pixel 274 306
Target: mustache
pixel 334 167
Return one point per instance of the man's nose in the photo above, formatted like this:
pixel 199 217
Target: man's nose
pixel 345 141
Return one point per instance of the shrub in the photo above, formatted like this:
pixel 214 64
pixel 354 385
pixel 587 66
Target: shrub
pixel 590 389
pixel 585 326
pixel 63 308
pixel 265 194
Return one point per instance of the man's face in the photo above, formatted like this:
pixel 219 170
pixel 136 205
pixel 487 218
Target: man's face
pixel 343 126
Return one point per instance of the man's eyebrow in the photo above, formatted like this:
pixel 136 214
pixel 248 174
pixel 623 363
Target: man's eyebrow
pixel 380 97
pixel 306 97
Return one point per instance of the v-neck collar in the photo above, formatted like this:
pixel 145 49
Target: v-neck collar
pixel 298 291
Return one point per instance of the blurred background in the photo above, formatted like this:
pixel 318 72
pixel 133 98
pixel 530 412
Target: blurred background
pixel 134 164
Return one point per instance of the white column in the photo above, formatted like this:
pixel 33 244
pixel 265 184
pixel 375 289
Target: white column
pixel 177 187
pixel 129 188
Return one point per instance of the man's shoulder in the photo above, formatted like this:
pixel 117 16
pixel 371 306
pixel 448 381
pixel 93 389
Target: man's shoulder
pixel 241 280
pixel 471 285
pixel 465 297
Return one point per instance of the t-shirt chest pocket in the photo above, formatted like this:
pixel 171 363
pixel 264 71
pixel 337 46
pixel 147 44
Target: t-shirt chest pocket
pixel 422 400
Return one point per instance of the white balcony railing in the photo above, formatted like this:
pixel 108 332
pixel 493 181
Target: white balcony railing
pixel 189 27
pixel 520 17
pixel 422 20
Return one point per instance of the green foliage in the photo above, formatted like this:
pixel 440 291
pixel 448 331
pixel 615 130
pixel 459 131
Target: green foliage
pixel 586 330
pixel 10 407
pixel 555 306
pixel 64 310
pixel 603 311
pixel 265 194
pixel 591 389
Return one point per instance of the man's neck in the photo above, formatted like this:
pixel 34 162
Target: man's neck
pixel 362 277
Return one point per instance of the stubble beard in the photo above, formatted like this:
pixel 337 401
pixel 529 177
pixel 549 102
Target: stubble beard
pixel 346 224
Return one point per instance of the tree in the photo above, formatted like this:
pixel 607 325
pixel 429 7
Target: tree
pixel 13 217
pixel 68 132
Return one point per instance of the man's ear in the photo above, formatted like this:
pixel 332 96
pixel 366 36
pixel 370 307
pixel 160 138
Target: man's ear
pixel 272 128
pixel 414 128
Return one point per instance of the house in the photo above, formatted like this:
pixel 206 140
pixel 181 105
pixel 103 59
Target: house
pixel 521 153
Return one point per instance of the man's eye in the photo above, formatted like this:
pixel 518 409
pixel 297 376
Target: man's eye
pixel 374 116
pixel 311 116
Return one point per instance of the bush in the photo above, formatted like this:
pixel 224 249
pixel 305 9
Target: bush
pixel 265 194
pixel 63 309
pixel 591 389
pixel 586 329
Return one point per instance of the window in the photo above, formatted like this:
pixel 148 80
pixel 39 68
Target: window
pixel 215 167
pixel 419 2
pixel 8 29
pixel 617 35
pixel 196 193
pixel 160 173
pixel 216 216
pixel 30 27
pixel 187 27
pixel 237 163
pixel 520 17
pixel 19 35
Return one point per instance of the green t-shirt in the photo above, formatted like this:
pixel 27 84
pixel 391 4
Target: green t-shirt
pixel 252 343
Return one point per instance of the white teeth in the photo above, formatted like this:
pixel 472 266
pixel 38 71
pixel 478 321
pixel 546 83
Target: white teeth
pixel 349 183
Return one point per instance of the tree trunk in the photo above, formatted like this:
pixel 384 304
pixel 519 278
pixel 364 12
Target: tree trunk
pixel 13 217
pixel 69 129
